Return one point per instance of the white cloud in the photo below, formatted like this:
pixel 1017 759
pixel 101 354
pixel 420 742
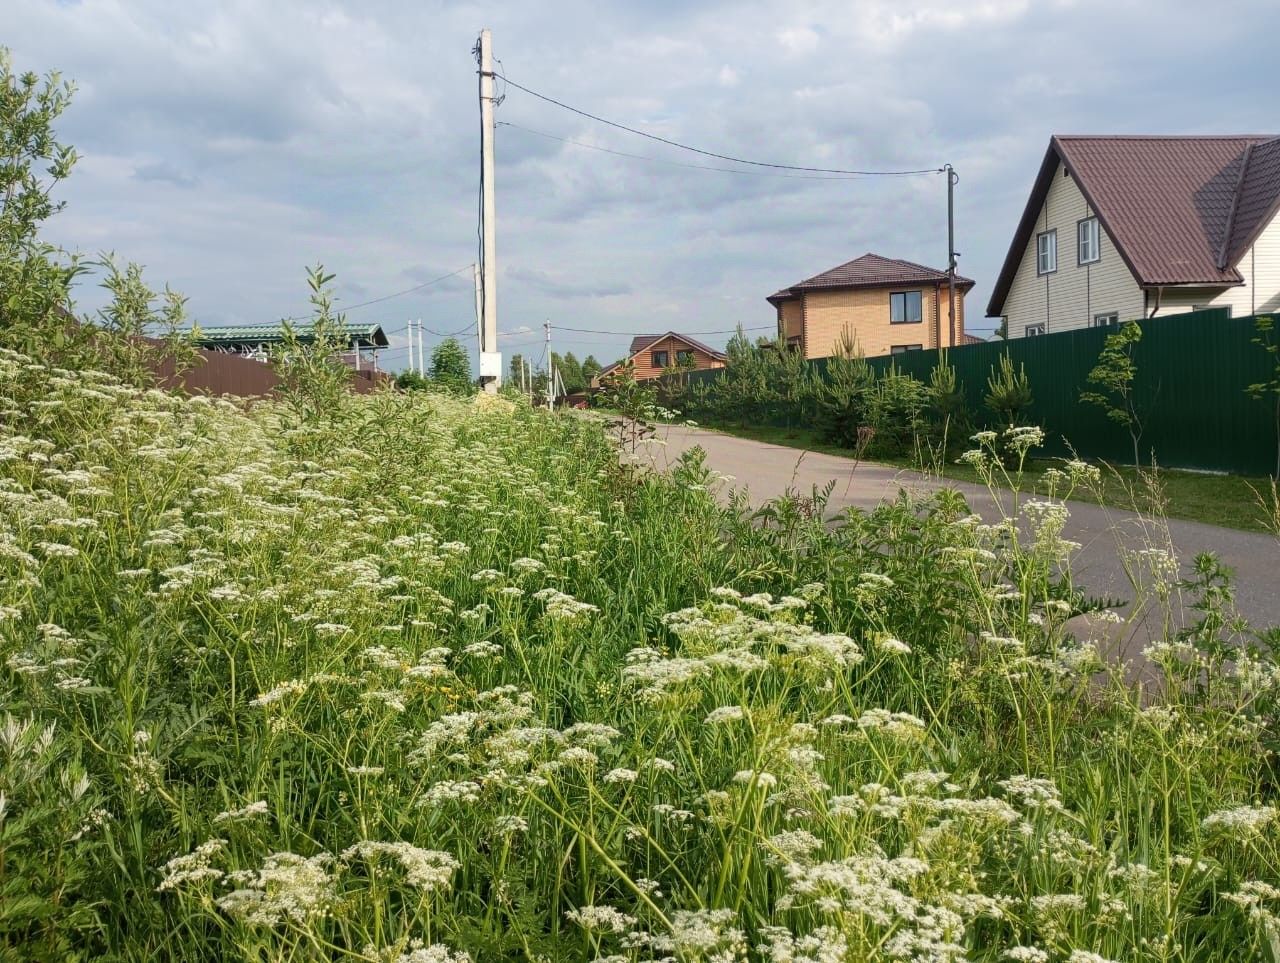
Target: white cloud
pixel 799 40
pixel 228 146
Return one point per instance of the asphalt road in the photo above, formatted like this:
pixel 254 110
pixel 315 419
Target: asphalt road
pixel 767 471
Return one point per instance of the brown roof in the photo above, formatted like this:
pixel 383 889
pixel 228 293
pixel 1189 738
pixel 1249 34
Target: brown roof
pixel 642 341
pixel 869 271
pixel 1180 210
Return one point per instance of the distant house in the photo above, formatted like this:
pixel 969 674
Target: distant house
pixel 1160 225
pixel 884 305
pixel 651 355
pixel 358 344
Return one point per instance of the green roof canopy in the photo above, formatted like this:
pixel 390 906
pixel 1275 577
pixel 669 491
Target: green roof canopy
pixel 349 334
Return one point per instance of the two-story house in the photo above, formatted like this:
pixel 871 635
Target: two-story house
pixel 881 305
pixel 1127 227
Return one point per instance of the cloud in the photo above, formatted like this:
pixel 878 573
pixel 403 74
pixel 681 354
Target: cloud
pixel 799 40
pixel 163 172
pixel 560 287
pixel 228 146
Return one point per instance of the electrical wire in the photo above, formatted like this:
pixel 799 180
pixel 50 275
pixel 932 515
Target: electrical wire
pixel 388 297
pixel 761 327
pixel 672 163
pixel 708 153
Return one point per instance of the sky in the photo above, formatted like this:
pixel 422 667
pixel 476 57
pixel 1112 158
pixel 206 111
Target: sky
pixel 228 145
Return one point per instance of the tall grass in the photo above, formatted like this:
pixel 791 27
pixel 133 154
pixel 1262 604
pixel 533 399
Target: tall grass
pixel 427 680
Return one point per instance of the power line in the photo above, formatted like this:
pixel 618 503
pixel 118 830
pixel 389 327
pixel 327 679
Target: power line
pixel 708 153
pixel 398 294
pixel 761 327
pixel 672 163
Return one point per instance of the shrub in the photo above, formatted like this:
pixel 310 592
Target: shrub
pixel 895 410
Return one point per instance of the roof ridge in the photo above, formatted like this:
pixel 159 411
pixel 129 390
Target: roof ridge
pixel 1228 229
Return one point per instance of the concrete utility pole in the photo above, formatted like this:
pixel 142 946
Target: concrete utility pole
pixel 952 178
pixel 475 274
pixel 490 366
pixel 551 367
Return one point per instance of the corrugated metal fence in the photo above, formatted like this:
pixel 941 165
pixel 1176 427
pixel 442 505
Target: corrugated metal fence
pixel 1192 372
pixel 219 373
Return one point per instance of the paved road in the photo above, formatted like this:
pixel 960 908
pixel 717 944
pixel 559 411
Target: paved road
pixel 767 471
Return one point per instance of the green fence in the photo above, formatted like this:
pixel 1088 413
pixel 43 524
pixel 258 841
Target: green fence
pixel 1193 370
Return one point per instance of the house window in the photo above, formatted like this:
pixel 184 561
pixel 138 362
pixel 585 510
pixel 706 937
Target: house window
pixel 1088 249
pixel 904 348
pixel 1212 307
pixel 1034 329
pixel 684 357
pixel 793 343
pixel 1106 320
pixel 1047 252
pixel 905 307
pixel 661 359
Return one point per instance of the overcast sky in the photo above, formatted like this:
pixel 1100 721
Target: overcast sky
pixel 227 145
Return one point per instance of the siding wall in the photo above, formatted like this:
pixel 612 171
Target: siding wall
pixel 1260 293
pixel 644 360
pixel 864 313
pixel 1071 296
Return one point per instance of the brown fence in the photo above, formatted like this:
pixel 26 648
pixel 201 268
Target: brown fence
pixel 217 373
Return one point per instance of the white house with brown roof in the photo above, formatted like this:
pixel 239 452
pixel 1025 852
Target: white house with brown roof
pixel 882 305
pixel 651 355
pixel 1127 227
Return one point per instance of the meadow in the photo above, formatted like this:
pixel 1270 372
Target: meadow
pixel 416 679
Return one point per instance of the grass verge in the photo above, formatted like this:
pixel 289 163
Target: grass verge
pixel 1229 501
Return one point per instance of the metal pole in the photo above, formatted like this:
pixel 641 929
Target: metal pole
pixel 413 362
pixel 422 358
pixel 952 178
pixel 489 255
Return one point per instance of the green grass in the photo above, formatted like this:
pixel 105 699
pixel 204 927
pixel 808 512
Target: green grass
pixel 405 678
pixel 1230 501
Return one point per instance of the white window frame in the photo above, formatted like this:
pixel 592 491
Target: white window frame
pixel 904 348
pixel 1046 252
pixel 1088 235
pixel 1107 319
pixel 1035 330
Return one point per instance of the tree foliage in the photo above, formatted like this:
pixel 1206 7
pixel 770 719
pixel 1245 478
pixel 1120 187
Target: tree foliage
pixel 36 309
pixel 1113 377
pixel 450 367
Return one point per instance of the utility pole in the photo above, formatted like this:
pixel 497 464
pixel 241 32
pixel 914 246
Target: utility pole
pixel 422 362
pixel 491 366
pixel 952 178
pixel 475 274
pixel 551 366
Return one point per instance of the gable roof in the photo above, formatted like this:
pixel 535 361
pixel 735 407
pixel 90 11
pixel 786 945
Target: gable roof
pixel 869 271
pixel 642 341
pixel 1180 210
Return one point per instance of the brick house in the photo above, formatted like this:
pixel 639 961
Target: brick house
pixel 651 354
pixel 883 305
pixel 1133 226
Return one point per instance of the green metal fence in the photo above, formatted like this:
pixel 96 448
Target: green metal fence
pixel 1192 372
